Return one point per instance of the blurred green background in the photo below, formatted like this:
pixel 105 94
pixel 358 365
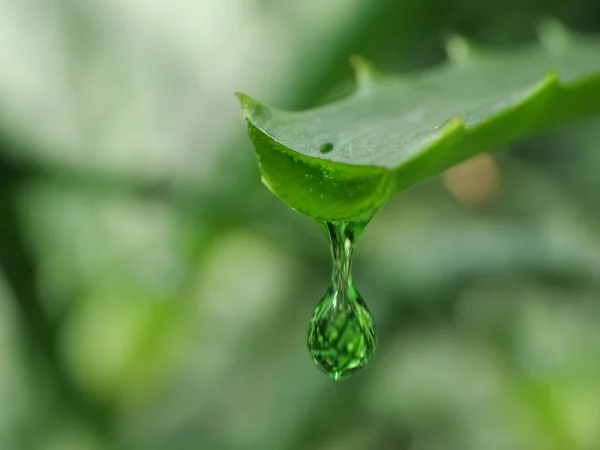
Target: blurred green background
pixel 154 295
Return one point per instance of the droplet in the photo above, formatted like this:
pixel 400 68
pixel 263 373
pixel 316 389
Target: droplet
pixel 341 334
pixel 326 147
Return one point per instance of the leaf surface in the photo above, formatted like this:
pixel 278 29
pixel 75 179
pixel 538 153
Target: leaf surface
pixel 344 160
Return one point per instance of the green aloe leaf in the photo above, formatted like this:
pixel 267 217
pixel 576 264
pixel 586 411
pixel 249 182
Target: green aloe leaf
pixel 343 161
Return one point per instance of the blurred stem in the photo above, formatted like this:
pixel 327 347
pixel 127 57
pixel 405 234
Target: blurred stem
pixel 40 331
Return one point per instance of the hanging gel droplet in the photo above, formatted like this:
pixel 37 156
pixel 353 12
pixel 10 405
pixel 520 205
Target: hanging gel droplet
pixel 341 335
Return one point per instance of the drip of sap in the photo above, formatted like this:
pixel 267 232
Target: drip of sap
pixel 341 335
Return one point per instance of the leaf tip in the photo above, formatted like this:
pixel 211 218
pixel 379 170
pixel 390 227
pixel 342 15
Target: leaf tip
pixel 553 35
pixel 364 71
pixel 250 106
pixel 458 49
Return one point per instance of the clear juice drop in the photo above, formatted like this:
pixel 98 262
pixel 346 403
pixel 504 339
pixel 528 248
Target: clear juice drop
pixel 341 334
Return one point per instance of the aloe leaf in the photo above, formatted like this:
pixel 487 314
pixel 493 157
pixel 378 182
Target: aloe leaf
pixel 344 160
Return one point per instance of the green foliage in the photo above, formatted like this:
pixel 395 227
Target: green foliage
pixel 153 296
pixel 394 132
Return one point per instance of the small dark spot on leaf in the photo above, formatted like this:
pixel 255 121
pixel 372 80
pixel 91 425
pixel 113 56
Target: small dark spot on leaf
pixel 326 147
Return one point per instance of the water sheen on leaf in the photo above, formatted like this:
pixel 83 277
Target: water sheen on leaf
pixel 394 132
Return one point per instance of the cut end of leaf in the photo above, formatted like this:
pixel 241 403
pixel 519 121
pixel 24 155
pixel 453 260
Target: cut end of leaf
pixel 365 72
pixel 330 191
pixel 250 106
